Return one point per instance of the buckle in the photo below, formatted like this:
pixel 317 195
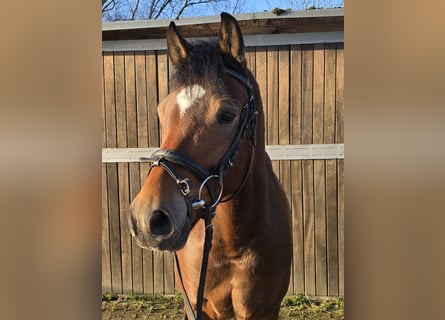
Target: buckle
pixel 184 186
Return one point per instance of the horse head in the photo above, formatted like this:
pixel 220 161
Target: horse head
pixel 208 123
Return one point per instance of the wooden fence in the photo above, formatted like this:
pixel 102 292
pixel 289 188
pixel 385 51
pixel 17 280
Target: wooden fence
pixel 302 90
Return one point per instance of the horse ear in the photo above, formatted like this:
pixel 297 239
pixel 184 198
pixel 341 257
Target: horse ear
pixel 230 38
pixel 178 47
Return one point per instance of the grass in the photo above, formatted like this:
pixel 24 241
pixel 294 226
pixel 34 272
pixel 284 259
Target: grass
pixel 171 307
pixel 304 307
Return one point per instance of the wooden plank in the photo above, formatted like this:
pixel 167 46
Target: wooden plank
pixel 148 274
pixel 169 278
pixel 152 94
pixel 309 226
pixel 110 108
pixel 130 99
pixel 272 106
pixel 296 199
pixel 283 95
pixel 319 173
pixel 122 171
pixel 104 121
pixel 307 93
pixel 112 189
pixel 318 94
pixel 341 219
pixel 332 227
pixel 119 84
pixel 329 94
pixel 275 152
pixel 141 100
pixel 320 227
pixel 125 237
pixel 296 170
pixel 283 124
pixel 261 78
pixel 339 98
pixel 331 171
pixel 339 137
pixel 106 263
pixel 250 41
pixel 250 58
pixel 107 65
pixel 308 170
pixel 158 272
pixel 113 207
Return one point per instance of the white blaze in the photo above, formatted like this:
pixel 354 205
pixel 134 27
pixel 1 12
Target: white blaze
pixel 188 96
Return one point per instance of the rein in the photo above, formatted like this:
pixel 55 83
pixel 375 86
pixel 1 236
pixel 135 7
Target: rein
pixel 212 180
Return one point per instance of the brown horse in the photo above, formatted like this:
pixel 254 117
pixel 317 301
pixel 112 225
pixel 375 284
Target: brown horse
pixel 213 158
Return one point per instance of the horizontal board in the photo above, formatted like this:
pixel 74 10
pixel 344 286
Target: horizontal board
pixel 250 41
pixel 276 152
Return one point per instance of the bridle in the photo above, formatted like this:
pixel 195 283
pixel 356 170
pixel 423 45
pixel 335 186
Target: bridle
pixel 212 180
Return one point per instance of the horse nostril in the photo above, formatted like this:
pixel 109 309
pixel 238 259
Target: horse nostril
pixel 160 224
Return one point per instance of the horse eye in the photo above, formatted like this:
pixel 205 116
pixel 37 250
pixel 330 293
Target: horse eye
pixel 226 117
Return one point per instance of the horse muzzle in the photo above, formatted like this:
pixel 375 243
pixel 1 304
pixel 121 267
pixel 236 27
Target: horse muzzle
pixel 158 229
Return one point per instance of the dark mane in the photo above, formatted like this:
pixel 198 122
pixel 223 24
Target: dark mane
pixel 203 65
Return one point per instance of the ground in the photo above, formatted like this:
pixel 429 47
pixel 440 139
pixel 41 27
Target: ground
pixel 157 307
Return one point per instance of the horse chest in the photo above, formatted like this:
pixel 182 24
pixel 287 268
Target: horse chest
pixel 229 281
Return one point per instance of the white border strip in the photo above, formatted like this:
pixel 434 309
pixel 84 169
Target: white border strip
pixel 250 41
pixel 276 152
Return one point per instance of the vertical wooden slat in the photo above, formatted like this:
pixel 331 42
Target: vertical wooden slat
pixel 341 219
pixel 296 170
pixel 113 209
pixel 330 93
pixel 319 173
pixel 272 107
pixel 250 57
pixel 261 78
pixel 339 98
pixel 152 90
pixel 106 265
pixel 332 227
pixel 122 169
pixel 283 124
pixel 308 170
pixel 108 99
pixel 112 175
pixel 331 171
pixel 339 138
